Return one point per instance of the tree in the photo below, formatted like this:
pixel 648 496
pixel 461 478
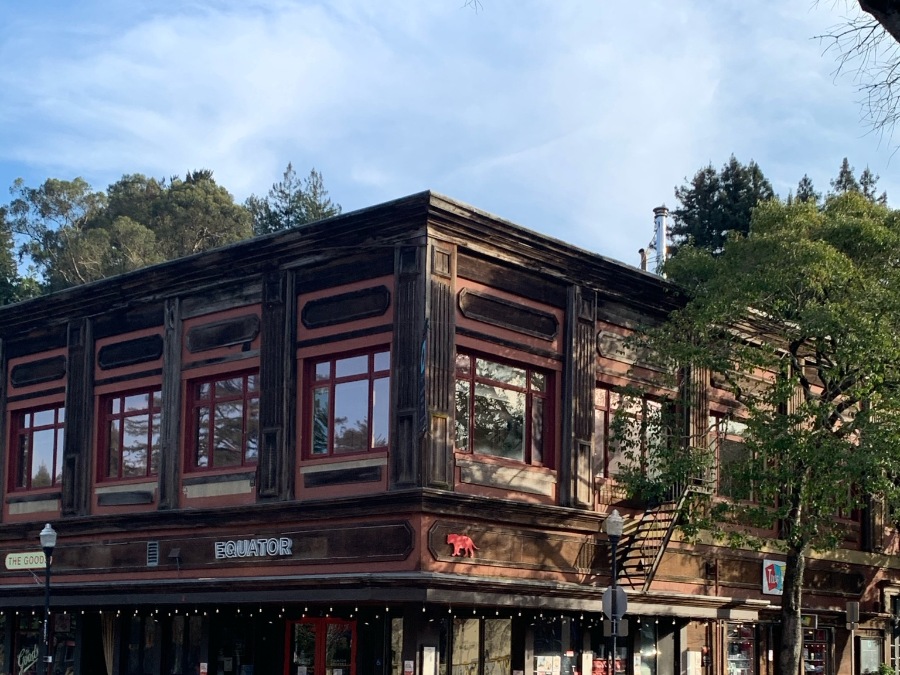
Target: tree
pixel 11 286
pixel 291 202
pixel 716 203
pixel 806 192
pixel 800 319
pixel 74 235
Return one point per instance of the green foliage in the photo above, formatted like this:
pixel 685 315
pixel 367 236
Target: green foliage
pixel 291 202
pixel 798 320
pixel 715 203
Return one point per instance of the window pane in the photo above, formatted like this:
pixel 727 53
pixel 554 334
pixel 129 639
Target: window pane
pixel 320 421
pixel 136 402
pixel 499 423
pixel 323 371
pixel 304 646
pixel 381 399
pixel 466 646
pixel 233 386
pixel 252 452
pixel 112 461
pixel 157 399
pixel 538 382
pixel 338 646
pixel 351 412
pixel 59 454
pixel 382 361
pixel 463 364
pixel 24 466
pixel 355 365
pixel 537 430
pixel 116 406
pixel 462 415
pixel 497 652
pixel 732 455
pixel 500 372
pixel 252 382
pixel 202 391
pixel 42 462
pixel 134 446
pixel 43 418
pixel 228 431
pixel 61 416
pixel 201 442
pixel 154 448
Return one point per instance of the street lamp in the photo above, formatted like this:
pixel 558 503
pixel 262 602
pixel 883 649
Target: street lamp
pixel 614 525
pixel 48 543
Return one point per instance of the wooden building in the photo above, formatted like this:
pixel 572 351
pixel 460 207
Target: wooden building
pixel 374 445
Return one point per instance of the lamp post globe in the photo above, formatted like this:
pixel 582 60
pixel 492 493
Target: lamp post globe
pixel 48 543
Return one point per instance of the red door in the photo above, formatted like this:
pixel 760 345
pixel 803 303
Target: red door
pixel 321 647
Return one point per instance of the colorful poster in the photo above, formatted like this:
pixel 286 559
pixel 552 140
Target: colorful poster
pixel 773 577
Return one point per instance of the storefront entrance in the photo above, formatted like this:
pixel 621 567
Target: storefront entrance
pixel 321 647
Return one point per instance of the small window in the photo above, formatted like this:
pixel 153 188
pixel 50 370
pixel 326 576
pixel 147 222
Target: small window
pixel 732 458
pixel 350 404
pixel 38 442
pixel 224 421
pixel 129 435
pixel 502 410
pixel 626 428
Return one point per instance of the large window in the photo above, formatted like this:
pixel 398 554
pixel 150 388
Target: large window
pixel 129 435
pixel 350 404
pixel 502 410
pixel 224 421
pixel 731 458
pixel 37 437
pixel 627 430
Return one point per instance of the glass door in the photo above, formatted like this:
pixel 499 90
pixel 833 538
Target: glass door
pixel 321 647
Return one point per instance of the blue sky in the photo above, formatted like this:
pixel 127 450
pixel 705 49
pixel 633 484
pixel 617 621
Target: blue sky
pixel 571 118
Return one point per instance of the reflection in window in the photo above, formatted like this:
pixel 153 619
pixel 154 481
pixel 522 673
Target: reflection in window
pixel 626 429
pixel 350 401
pixel 501 410
pixel 38 439
pixel 225 421
pixel 130 433
pixel 732 458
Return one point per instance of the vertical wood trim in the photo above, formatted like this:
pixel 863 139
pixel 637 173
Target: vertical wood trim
pixel 576 480
pixel 271 382
pixel 406 364
pixel 170 455
pixel 696 401
pixel 78 436
pixel 440 367
pixel 4 438
pixel 288 471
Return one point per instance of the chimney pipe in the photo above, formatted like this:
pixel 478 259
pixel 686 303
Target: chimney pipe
pixel 660 237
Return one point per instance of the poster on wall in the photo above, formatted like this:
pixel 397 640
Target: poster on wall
pixel 773 577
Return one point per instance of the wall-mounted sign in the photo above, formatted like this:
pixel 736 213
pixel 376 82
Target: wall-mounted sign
pixel 254 548
pixel 773 577
pixel 26 561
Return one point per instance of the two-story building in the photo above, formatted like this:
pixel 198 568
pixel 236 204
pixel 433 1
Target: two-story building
pixel 376 444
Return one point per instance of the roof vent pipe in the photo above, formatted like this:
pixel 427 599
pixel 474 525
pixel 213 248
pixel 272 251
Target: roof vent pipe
pixel 660 235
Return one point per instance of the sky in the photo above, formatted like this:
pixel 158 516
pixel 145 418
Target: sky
pixel 572 118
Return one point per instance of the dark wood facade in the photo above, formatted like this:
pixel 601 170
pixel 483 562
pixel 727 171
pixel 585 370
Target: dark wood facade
pixel 297 525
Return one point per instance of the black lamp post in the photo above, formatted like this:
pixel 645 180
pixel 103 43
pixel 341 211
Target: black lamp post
pixel 48 543
pixel 614 525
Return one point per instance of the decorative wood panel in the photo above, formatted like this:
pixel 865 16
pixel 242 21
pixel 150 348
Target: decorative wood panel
pixel 363 474
pixel 130 352
pixel 76 479
pixel 272 380
pixel 38 372
pixel 169 445
pixel 128 498
pixel 524 283
pixel 440 370
pixel 505 314
pixel 576 470
pixel 406 363
pixel 242 329
pixel 346 307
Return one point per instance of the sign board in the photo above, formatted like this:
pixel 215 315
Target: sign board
pixel 621 628
pixel 621 602
pixel 31 560
pixel 773 577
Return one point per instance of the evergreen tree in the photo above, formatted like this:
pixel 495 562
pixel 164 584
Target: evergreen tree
pixel 291 202
pixel 716 203
pixel 846 180
pixel 806 192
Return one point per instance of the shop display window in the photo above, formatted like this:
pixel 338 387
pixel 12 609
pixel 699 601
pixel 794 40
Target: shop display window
pixel 741 650
pixel 815 651
pixel 870 651
pixel 321 647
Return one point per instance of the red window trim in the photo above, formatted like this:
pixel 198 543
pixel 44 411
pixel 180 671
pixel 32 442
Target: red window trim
pixel 105 416
pixel 370 376
pixel 192 405
pixel 17 432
